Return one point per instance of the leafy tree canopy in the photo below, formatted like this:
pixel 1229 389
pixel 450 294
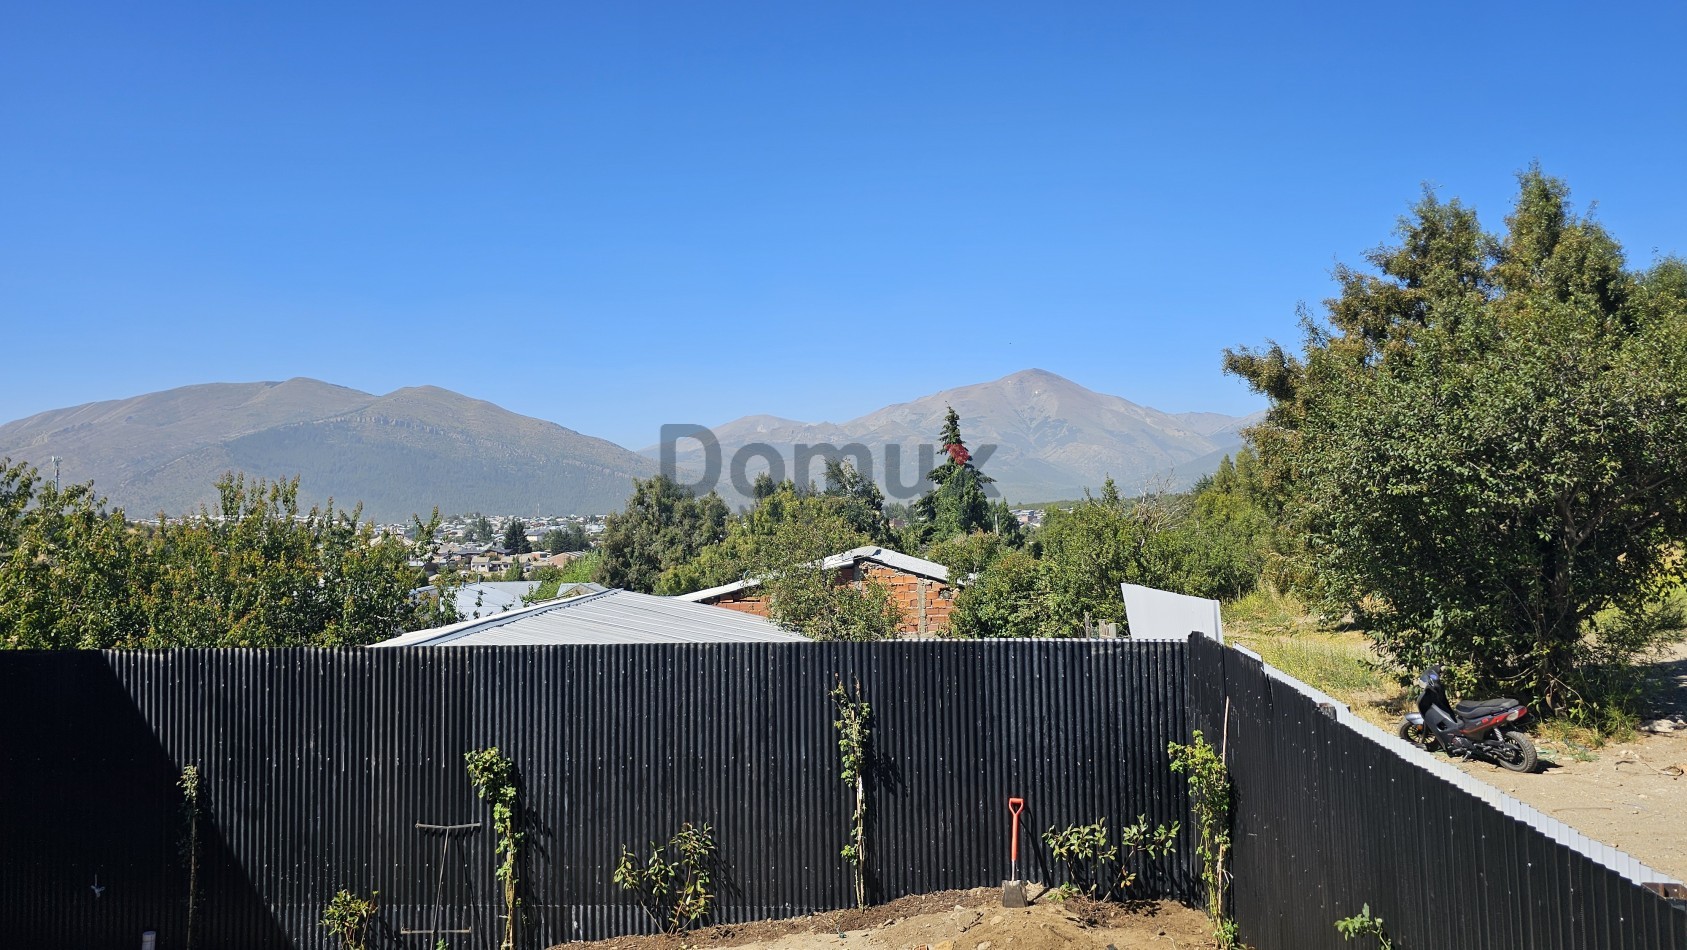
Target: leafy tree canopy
pixel 663 526
pixel 515 537
pixel 1212 542
pixel 781 541
pixel 570 537
pixel 255 571
pixel 1483 441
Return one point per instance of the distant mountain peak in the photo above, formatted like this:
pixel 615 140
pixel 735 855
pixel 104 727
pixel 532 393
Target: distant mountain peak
pixel 399 454
pixel 1052 437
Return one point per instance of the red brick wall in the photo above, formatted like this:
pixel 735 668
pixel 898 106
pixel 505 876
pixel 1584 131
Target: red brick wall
pixel 747 601
pixel 905 592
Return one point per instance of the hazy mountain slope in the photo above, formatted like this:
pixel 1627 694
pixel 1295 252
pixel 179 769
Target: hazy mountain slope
pixel 1053 438
pixel 400 453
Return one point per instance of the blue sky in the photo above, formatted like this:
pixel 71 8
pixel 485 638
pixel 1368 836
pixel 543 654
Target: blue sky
pixel 622 214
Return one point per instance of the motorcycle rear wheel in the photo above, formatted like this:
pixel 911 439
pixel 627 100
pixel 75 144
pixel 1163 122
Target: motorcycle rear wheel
pixel 1522 757
pixel 1417 735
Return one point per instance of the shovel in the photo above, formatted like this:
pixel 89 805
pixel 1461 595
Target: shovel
pixel 1013 891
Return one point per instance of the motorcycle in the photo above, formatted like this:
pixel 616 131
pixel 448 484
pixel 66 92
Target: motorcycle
pixel 1471 728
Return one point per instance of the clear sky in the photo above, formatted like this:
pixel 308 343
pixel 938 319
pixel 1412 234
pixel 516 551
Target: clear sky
pixel 615 215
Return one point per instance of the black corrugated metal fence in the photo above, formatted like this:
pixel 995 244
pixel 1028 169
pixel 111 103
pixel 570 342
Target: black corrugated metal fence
pixel 317 766
pixel 1328 821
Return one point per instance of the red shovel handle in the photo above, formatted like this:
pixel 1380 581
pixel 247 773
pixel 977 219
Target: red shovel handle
pixel 1016 805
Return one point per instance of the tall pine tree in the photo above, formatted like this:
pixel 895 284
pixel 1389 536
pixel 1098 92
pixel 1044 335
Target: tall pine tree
pixel 956 503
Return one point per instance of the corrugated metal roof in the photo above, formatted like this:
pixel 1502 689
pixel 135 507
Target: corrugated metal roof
pixel 906 563
pixel 713 592
pixel 614 616
pixel 485 598
pixel 902 562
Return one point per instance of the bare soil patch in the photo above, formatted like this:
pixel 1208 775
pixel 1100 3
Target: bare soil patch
pixel 1630 795
pixel 953 920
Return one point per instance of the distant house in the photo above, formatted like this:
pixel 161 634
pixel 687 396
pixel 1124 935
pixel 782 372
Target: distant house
pixel 604 617
pixel 920 588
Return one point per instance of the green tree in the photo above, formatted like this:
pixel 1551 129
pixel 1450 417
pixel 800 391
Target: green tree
pixel 1227 538
pixel 571 537
pixel 748 547
pixel 480 529
pixel 663 526
pixel 254 571
pixel 966 555
pixel 1006 600
pixel 553 579
pixel 806 596
pixel 1082 556
pixel 438 606
pixel 781 542
pixel 1078 559
pixel 1087 553
pixel 515 538
pixel 859 501
pixel 956 502
pixel 259 571
pixel 70 571
pixel 1484 443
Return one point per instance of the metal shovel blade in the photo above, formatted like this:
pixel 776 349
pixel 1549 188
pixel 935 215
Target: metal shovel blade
pixel 1013 894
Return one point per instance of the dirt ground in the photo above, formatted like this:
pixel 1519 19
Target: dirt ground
pixel 954 920
pixel 1631 795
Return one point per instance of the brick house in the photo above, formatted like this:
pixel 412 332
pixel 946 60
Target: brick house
pixel 920 588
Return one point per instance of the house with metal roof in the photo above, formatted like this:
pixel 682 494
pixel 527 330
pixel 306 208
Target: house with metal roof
pixel 920 588
pixel 607 617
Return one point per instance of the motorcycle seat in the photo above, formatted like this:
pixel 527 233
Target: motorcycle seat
pixel 1482 709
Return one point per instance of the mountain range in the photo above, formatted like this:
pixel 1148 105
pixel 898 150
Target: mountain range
pixel 398 454
pixel 1042 437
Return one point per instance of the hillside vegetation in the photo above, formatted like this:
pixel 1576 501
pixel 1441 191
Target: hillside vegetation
pixel 399 455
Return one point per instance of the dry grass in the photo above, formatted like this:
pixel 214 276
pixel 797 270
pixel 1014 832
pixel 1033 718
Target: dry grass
pixel 1340 662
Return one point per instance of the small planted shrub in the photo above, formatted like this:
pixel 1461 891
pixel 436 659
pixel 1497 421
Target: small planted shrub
pixel 1099 868
pixel 193 807
pixel 494 778
pixel 347 918
pixel 1209 798
pixel 855 735
pixel 1083 849
pixel 673 884
pixel 1363 924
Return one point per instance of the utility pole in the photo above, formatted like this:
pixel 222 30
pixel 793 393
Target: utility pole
pixel 55 460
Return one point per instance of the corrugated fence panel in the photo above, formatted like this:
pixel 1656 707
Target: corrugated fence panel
pixel 1327 820
pixel 319 766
